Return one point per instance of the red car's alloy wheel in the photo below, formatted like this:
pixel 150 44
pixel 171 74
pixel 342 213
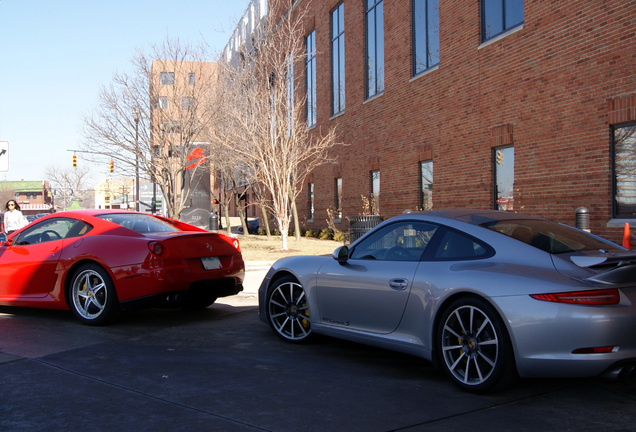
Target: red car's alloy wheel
pixel 93 298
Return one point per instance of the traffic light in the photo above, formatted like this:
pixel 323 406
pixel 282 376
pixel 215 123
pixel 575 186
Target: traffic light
pixel 112 167
pixel 74 161
pixel 499 157
pixel 216 201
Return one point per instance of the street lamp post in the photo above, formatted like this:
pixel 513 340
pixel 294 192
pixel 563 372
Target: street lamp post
pixel 136 118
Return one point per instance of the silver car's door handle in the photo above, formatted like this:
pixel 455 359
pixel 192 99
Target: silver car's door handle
pixel 398 284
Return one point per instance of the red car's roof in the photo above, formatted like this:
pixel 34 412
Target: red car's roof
pixel 91 212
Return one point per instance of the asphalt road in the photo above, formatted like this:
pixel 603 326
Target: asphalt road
pixel 221 369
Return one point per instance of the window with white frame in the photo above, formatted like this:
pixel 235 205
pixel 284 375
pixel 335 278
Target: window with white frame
pixel 374 25
pixel 187 103
pixel 310 201
pixel 624 167
pixel 337 60
pixel 338 197
pixel 426 185
pixel 310 69
pixel 290 93
pixel 499 16
pixel 504 178
pixel 375 192
pixel 166 78
pixel 425 35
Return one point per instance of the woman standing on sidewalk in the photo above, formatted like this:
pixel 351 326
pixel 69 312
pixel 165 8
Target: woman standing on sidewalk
pixel 13 217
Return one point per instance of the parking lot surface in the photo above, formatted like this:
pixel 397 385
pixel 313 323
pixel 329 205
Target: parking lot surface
pixel 221 369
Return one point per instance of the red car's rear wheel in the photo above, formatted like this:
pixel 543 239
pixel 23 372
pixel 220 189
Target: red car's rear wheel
pixel 92 295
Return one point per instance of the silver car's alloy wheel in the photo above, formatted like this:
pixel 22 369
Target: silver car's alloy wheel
pixel 93 298
pixel 287 310
pixel 470 345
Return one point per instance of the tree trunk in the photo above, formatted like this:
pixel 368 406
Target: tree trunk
pixel 226 211
pixel 240 212
pixel 295 216
pixel 266 220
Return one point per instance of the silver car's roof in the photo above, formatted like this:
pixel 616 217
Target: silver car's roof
pixel 474 216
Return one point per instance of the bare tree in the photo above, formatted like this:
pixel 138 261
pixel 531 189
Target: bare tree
pixel 152 121
pixel 71 184
pixel 6 194
pixel 262 119
pixel 229 172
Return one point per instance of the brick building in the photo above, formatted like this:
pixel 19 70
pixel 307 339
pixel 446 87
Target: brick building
pixel 525 106
pixel 179 93
pixel 33 196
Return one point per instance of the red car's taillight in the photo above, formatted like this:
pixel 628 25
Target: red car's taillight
pixel 600 297
pixel 156 248
pixel 234 242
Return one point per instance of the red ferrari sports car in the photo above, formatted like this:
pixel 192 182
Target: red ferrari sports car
pixel 99 262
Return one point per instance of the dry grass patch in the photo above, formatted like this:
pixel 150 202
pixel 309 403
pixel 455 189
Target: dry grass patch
pixel 260 248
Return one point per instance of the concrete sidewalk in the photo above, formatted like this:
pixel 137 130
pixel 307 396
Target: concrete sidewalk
pixel 255 271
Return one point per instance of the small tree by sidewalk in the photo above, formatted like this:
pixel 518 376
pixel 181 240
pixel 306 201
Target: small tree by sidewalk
pixel 262 118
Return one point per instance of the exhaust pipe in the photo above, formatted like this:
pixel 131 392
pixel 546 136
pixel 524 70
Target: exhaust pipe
pixel 174 298
pixel 621 373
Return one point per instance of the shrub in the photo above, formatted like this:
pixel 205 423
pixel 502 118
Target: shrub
pixel 326 234
pixel 339 236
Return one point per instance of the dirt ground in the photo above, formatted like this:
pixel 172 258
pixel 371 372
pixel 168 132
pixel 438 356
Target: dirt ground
pixel 260 248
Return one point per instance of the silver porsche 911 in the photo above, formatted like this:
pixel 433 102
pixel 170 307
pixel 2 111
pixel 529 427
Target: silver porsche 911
pixel 487 296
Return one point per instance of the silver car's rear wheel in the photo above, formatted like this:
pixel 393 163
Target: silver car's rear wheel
pixel 287 310
pixel 93 297
pixel 473 346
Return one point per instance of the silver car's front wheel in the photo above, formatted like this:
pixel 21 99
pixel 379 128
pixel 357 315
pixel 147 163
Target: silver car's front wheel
pixel 93 297
pixel 287 310
pixel 474 347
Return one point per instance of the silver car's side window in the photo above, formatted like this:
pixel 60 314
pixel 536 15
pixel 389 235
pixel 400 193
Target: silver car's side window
pixel 401 241
pixel 458 246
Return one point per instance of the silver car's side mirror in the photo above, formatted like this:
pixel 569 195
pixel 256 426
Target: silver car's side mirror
pixel 341 255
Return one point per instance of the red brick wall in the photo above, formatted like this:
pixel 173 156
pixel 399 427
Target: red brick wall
pixel 552 88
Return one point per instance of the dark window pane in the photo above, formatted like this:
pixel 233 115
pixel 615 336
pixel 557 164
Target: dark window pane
pixel 499 16
pixel 380 47
pixel 493 18
pixel 514 13
pixel 337 60
pixel 433 32
pixel 371 64
pixel 456 246
pixel 375 48
pixel 426 34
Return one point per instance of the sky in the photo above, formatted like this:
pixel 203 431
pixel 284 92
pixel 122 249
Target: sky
pixel 55 55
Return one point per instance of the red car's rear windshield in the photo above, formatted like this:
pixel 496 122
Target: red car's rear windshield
pixel 139 222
